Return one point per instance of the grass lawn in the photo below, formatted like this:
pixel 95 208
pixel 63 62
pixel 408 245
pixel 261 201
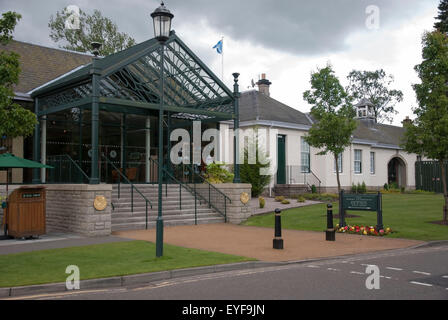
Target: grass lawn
pixel 407 214
pixel 102 261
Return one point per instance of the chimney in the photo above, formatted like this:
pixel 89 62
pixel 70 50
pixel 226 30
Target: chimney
pixel 406 121
pixel 263 85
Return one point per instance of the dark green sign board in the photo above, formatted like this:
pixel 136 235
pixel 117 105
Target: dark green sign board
pixel 361 202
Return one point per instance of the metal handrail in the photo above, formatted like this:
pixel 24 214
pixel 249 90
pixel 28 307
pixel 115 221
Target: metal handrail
pixel 166 172
pixel 50 159
pixel 120 174
pixel 204 180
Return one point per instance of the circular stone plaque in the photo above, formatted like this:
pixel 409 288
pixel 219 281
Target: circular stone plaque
pixel 244 198
pixel 100 203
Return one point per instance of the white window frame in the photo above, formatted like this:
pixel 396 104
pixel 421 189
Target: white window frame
pixel 340 163
pixel 358 162
pixel 305 155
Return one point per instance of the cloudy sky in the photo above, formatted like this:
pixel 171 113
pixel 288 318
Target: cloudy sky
pixel 286 39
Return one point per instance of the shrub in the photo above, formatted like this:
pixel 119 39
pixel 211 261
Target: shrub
pixel 386 186
pixel 215 173
pixel 313 189
pixel 279 198
pixel 354 188
pixel 363 188
pixel 286 202
pixel 262 202
pixel 250 173
pixel 301 199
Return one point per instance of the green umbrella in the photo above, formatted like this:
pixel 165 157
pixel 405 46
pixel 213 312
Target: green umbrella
pixel 8 160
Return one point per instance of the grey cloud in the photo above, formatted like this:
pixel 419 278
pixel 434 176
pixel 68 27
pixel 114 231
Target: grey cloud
pixel 304 27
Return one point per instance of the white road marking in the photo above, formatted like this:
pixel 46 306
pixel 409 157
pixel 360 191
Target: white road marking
pixel 313 267
pixel 446 277
pixel 423 273
pixel 331 269
pixel 395 269
pixel 386 277
pixel 356 272
pixel 421 284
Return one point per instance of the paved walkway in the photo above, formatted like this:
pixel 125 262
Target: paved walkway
pixel 271 205
pixel 256 242
pixel 53 241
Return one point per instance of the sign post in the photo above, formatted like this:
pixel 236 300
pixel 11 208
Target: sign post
pixel 361 202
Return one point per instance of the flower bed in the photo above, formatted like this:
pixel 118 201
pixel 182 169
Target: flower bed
pixel 364 230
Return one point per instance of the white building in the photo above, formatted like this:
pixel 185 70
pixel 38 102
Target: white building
pixel 374 157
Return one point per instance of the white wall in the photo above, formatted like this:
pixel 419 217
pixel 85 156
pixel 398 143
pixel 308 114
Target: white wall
pixel 323 166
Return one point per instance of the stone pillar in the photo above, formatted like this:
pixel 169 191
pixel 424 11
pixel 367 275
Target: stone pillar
pixel 70 209
pixel 237 211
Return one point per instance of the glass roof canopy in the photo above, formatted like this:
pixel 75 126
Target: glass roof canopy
pixel 129 82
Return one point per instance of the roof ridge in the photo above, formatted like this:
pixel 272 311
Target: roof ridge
pixel 56 49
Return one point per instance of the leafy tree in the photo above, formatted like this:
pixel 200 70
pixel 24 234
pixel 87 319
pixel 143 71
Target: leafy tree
pixel 15 121
pixel 442 23
pixel 374 86
pixel 92 28
pixel 252 173
pixel 428 134
pixel 333 111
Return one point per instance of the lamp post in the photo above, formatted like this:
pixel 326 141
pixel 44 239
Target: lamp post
pixel 162 25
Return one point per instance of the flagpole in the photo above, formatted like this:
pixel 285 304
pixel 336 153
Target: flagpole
pixel 222 60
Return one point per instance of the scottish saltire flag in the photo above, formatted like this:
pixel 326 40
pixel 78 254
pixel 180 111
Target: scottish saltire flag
pixel 218 47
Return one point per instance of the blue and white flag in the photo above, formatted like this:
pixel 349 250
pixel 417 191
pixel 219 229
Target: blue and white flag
pixel 218 46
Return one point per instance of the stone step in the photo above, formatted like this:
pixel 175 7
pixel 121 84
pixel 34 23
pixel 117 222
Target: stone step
pixel 165 218
pixel 142 213
pixel 152 225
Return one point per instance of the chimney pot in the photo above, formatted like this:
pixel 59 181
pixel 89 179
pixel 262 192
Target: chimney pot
pixel 263 85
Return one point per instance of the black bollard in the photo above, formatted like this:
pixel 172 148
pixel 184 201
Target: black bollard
pixel 278 241
pixel 331 232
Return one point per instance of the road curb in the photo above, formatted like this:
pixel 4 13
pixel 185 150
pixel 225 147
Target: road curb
pixel 138 279
pixel 147 278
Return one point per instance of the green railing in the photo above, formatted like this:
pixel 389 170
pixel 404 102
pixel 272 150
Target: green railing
pixel 215 198
pixel 66 170
pixel 133 187
pixel 168 178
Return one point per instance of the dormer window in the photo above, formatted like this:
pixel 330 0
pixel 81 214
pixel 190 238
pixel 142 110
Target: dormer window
pixel 365 110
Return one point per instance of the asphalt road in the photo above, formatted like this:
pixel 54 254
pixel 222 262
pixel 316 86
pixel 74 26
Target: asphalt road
pixel 404 274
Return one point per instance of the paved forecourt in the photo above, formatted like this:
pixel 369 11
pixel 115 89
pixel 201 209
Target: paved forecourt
pixel 256 242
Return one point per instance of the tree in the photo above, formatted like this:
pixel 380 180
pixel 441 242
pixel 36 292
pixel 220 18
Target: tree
pixel 428 134
pixel 374 86
pixel 15 121
pixel 252 173
pixel 334 114
pixel 442 24
pixel 92 28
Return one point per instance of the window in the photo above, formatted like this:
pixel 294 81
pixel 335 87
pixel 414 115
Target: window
pixel 358 161
pixel 372 162
pixel 305 159
pixel 339 163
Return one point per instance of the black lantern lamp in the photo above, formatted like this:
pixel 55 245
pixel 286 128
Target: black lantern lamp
pixel 162 22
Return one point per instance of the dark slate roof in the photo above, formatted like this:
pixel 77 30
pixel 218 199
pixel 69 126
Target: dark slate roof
pixel 364 102
pixel 40 64
pixel 379 133
pixel 255 105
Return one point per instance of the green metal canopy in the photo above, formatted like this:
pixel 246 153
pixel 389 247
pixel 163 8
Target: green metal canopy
pixel 128 81
pixel 8 160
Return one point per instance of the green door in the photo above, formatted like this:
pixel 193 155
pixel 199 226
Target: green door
pixel 281 160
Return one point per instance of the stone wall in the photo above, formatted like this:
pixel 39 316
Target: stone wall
pixel 70 209
pixel 237 212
